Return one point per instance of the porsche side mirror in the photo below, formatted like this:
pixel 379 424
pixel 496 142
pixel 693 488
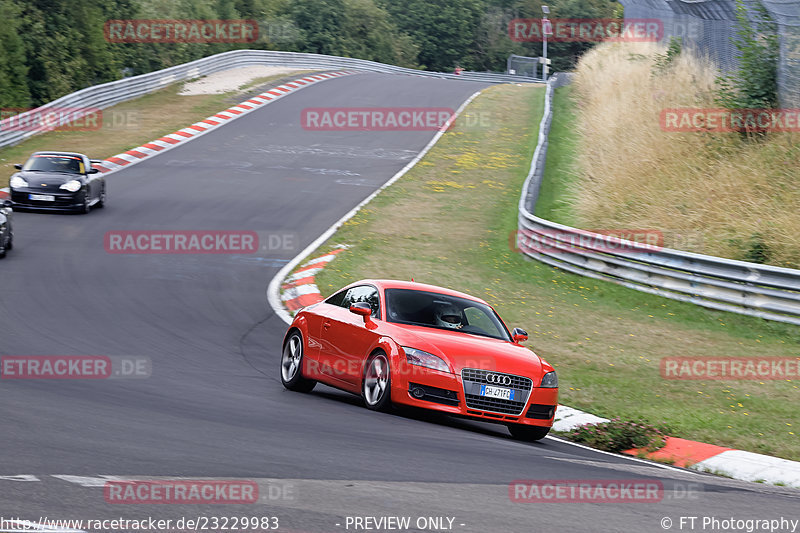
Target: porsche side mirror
pixel 519 335
pixel 361 308
pixel 18 166
pixel 93 171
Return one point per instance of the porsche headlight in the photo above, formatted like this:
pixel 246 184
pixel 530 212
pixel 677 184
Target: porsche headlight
pixel 550 381
pixel 428 360
pixel 17 182
pixel 71 186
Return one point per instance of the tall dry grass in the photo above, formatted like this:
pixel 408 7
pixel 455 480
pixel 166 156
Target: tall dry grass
pixel 712 193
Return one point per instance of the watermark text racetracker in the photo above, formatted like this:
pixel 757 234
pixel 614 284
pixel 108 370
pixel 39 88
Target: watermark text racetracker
pixel 718 120
pixel 376 118
pixel 586 30
pixel 630 241
pixel 66 119
pixel 600 491
pixel 730 368
pixel 198 242
pixel 180 31
pixel 730 524
pixel 74 367
pixel 197 491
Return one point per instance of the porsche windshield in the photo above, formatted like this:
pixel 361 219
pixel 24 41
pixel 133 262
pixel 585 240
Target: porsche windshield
pixel 54 163
pixel 434 310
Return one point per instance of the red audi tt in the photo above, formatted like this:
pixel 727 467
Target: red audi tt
pixel 397 342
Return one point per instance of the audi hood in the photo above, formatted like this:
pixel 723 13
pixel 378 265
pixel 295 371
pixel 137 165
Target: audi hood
pixel 466 350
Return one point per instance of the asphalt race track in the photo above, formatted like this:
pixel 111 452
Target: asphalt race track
pixel 213 406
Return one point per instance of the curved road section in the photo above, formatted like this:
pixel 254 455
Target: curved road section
pixel 205 401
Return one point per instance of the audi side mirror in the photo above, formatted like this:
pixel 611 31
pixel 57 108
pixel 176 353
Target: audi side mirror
pixel 519 335
pixel 93 171
pixel 18 166
pixel 361 308
pixel 8 204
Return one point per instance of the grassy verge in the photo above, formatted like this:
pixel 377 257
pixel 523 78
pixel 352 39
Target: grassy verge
pixel 448 222
pixel 707 191
pixel 133 123
pixel 560 174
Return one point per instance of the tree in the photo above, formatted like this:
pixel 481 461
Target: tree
pixel 444 30
pixel 352 28
pixel 13 67
pixel 754 84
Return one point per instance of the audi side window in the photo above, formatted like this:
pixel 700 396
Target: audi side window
pixel 337 299
pixel 476 318
pixel 364 293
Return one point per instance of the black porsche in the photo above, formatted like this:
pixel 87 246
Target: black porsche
pixel 58 181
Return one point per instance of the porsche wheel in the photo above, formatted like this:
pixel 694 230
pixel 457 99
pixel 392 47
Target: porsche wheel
pixel 527 433
pixel 87 205
pixel 101 202
pixel 292 365
pixel 376 385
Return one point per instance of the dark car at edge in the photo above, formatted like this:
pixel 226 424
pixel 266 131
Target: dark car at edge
pixel 6 229
pixel 57 181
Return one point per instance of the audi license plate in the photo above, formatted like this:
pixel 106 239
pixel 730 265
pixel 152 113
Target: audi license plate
pixel 497 392
pixel 42 197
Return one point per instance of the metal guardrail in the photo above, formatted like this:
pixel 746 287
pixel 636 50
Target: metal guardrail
pixel 108 94
pixel 764 291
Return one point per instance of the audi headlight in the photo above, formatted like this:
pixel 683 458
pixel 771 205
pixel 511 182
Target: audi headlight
pixel 17 182
pixel 71 186
pixel 550 381
pixel 428 360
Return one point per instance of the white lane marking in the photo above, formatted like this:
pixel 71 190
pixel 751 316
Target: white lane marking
pixel 192 131
pixel 162 144
pixel 128 157
pixel 751 466
pixel 321 259
pixel 301 290
pixel 20 477
pixel 146 151
pixel 87 481
pixel 568 418
pixel 302 274
pixel 618 456
pixel 177 137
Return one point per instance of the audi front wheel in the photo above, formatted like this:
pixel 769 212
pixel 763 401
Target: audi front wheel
pixel 292 365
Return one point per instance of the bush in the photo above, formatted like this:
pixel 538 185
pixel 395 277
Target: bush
pixel 754 84
pixel 664 61
pixel 617 435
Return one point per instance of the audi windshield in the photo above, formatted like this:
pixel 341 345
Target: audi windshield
pixel 434 310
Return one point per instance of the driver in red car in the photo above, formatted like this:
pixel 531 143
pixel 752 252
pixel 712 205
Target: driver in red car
pixel 448 316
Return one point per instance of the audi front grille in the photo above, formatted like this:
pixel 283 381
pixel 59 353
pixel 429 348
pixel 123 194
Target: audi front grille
pixel 473 380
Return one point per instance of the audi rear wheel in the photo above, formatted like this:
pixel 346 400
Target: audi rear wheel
pixel 292 365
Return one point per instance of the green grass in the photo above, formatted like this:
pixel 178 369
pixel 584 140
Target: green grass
pixel 449 220
pixel 560 174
